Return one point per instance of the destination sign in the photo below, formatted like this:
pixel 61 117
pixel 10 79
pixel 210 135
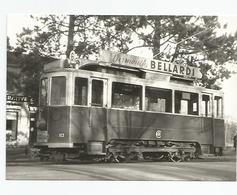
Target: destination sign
pixel 149 64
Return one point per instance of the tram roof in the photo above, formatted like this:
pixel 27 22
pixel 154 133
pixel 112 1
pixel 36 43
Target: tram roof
pixel 129 66
pixel 124 62
pixel 158 79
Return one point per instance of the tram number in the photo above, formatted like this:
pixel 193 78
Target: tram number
pixel 158 134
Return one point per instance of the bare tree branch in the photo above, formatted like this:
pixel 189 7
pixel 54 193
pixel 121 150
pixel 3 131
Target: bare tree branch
pixel 140 46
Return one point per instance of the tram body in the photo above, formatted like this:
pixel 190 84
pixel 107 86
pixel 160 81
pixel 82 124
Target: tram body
pixel 82 110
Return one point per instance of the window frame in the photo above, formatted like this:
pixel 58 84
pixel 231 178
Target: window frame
pixel 12 116
pixel 66 89
pixel 168 90
pixel 141 107
pixel 48 92
pixel 14 128
pixel 104 95
pixel 108 85
pixel 218 113
pixel 88 90
pixel 188 102
pixel 210 107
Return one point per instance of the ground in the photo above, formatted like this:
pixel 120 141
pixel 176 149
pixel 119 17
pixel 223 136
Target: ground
pixel 20 167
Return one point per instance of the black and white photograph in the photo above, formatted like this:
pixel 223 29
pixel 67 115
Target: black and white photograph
pixel 120 97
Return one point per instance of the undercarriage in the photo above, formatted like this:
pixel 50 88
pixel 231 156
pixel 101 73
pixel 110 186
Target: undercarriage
pixel 127 150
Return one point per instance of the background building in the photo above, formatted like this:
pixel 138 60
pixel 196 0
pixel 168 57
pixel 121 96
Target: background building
pixel 20 109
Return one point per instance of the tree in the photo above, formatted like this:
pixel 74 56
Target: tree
pixel 191 40
pixel 13 78
pixel 188 40
pixel 37 47
pixel 86 35
pixel 32 64
pixel 25 82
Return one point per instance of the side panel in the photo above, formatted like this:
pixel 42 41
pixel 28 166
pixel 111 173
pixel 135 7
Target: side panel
pixel 207 127
pixel 80 124
pixel 104 124
pixel 130 124
pixel 88 124
pixel 216 131
pixel 58 124
pixel 219 132
pixel 98 123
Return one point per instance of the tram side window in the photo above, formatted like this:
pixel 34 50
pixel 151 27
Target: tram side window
pixel 97 93
pixel 159 100
pixel 43 92
pixel 81 88
pixel 58 91
pixel 218 106
pixel 126 96
pixel 186 103
pixel 206 106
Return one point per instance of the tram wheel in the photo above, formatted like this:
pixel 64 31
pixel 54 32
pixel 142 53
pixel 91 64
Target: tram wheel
pixel 111 158
pixel 174 158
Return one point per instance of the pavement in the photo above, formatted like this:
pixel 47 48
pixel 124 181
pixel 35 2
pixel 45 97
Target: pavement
pixel 229 154
pixel 20 166
pixel 22 154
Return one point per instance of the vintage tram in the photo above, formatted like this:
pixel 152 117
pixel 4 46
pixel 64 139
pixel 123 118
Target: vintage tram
pixel 123 107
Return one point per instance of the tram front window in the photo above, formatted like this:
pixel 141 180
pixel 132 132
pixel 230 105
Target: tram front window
pixel 126 96
pixel 97 93
pixel 58 91
pixel 81 87
pixel 159 100
pixel 186 103
pixel 43 92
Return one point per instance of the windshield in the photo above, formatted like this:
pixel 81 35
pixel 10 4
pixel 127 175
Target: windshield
pixel 58 91
pixel 43 92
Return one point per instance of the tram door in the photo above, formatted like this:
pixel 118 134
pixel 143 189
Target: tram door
pixel 98 110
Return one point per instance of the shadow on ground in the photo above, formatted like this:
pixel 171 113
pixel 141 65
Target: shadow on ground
pixel 22 155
